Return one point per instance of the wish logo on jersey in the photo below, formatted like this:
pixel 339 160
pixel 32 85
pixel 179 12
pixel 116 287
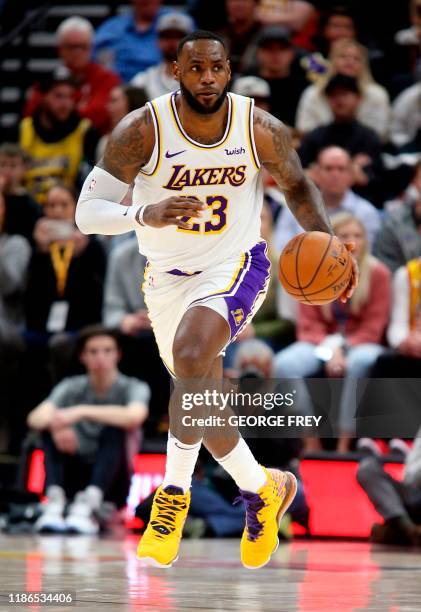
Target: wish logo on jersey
pixel 196 177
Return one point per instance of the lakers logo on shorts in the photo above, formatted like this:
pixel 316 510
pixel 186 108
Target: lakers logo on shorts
pixel 238 316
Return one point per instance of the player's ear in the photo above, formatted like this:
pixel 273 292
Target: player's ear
pixel 176 71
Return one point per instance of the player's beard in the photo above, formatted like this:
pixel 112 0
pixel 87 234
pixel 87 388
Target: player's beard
pixel 197 106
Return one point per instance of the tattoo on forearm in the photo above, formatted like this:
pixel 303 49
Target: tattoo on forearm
pixel 125 153
pixel 281 160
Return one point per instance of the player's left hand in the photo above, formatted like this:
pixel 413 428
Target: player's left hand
pixel 353 282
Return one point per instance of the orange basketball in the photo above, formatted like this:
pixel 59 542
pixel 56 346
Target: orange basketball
pixel 315 268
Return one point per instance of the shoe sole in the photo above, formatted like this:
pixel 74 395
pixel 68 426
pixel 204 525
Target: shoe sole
pixel 291 487
pixel 151 562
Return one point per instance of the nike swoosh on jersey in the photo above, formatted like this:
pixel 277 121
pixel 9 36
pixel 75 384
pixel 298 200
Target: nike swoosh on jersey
pixel 168 155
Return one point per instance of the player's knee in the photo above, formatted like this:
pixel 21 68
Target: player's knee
pixel 189 360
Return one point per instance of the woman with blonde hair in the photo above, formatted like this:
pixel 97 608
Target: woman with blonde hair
pixel 350 58
pixel 343 340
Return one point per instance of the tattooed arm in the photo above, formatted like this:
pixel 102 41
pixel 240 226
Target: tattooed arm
pixel 277 155
pixel 129 148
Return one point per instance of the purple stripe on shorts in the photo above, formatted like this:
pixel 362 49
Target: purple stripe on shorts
pixel 176 272
pixel 254 281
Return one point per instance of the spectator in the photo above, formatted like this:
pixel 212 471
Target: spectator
pixel 350 58
pixel 292 14
pixel 90 431
pixel 278 62
pixel 399 238
pixel 15 253
pixel 334 177
pixel 407 52
pixel 362 143
pixel 399 503
pixel 335 23
pixel 125 309
pixel 241 28
pixel 253 87
pixel 404 332
pixel 65 268
pixel 128 43
pixel 158 80
pixel 56 138
pixel 405 131
pixel 93 82
pixel 22 211
pixel 350 334
pixel 123 100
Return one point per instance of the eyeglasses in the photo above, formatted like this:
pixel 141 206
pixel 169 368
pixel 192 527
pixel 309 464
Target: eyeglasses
pixel 76 47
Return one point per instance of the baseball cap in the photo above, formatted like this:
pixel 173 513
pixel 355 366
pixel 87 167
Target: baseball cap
pixel 175 21
pixel 342 81
pixel 252 87
pixel 274 33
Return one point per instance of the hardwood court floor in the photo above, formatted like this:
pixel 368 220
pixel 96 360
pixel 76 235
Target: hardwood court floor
pixel 304 576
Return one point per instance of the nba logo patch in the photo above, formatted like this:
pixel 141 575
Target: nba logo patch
pixel 92 185
pixel 238 316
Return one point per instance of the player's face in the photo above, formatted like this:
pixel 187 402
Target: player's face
pixel 204 73
pixel 100 355
pixel 59 205
pixel 353 232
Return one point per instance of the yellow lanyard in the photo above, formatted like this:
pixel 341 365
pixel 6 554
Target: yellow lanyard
pixel 61 258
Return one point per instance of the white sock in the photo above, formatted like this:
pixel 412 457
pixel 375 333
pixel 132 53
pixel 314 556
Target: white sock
pixel 181 460
pixel 243 467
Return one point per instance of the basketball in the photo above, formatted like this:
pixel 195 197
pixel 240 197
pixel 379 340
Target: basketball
pixel 315 268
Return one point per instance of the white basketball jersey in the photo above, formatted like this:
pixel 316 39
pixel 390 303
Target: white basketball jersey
pixel 224 175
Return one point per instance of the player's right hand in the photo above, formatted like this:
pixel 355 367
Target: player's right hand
pixel 173 211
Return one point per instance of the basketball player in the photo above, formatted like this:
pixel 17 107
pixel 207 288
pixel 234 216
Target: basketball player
pixel 195 158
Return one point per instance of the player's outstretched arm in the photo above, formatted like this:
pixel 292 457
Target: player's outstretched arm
pixel 129 148
pixel 277 155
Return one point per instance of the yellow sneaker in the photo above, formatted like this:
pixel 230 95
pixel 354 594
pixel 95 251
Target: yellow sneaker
pixel 160 543
pixel 264 511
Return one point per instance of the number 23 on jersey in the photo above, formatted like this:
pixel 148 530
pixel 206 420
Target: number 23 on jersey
pixel 218 205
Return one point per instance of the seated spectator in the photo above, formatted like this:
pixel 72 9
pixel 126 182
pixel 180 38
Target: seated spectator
pixel 407 52
pixel 278 62
pixel 92 82
pixel 64 290
pixel 128 43
pixel 241 28
pixel 350 58
pixel 253 87
pixel 15 253
pixel 404 332
pixel 299 16
pixel 90 431
pixel 405 130
pixel 123 99
pixel 399 237
pixel 350 334
pixel 159 79
pixel 125 309
pixel 22 211
pixel 333 175
pixel 335 23
pixel 56 138
pixel 399 503
pixel 362 143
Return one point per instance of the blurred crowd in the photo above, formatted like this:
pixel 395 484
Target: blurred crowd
pixel 74 330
